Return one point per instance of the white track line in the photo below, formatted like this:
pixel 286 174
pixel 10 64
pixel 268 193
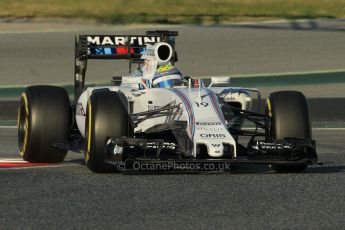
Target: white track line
pixel 331 129
pixel 40 167
pixel 20 160
pixel 8 127
pixel 12 160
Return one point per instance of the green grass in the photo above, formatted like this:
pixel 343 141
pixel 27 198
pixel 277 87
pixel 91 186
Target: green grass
pixel 173 11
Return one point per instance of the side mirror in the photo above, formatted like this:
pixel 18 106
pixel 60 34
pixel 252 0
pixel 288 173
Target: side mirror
pixel 219 81
pixel 126 81
pixel 116 81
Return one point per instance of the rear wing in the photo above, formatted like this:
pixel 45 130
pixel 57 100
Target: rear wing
pixel 129 47
pixel 119 46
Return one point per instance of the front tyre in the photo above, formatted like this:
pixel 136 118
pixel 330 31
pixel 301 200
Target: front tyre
pixel 44 118
pixel 106 116
pixel 289 118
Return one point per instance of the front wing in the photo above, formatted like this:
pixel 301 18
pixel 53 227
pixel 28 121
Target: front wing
pixel 132 152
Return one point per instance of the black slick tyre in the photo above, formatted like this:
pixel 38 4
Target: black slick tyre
pixel 106 116
pixel 44 118
pixel 289 118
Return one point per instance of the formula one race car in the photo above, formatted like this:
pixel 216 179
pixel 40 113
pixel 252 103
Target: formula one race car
pixel 156 115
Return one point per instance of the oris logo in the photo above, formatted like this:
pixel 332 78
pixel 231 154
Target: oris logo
pixel 221 135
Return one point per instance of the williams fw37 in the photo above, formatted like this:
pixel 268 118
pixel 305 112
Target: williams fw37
pixel 158 118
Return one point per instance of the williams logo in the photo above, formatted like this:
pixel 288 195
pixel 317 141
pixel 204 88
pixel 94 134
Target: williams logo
pixel 210 128
pixel 208 123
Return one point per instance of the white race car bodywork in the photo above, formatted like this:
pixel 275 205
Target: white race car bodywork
pixel 199 107
pixel 158 117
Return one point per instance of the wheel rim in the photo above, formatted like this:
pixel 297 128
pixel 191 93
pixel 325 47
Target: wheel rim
pixel 88 132
pixel 23 125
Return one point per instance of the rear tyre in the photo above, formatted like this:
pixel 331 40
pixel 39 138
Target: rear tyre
pixel 44 118
pixel 289 115
pixel 106 116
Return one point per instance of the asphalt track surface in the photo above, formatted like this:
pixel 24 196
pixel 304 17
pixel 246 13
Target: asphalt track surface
pixel 69 196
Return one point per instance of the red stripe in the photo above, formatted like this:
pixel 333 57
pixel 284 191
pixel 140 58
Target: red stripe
pixel 124 50
pixel 21 164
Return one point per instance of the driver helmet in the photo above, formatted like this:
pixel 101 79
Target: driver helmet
pixel 166 76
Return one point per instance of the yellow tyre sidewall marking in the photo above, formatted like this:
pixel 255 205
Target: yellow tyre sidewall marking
pixel 88 149
pixel 269 107
pixel 26 125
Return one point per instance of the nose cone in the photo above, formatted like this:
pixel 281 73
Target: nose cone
pixel 215 149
